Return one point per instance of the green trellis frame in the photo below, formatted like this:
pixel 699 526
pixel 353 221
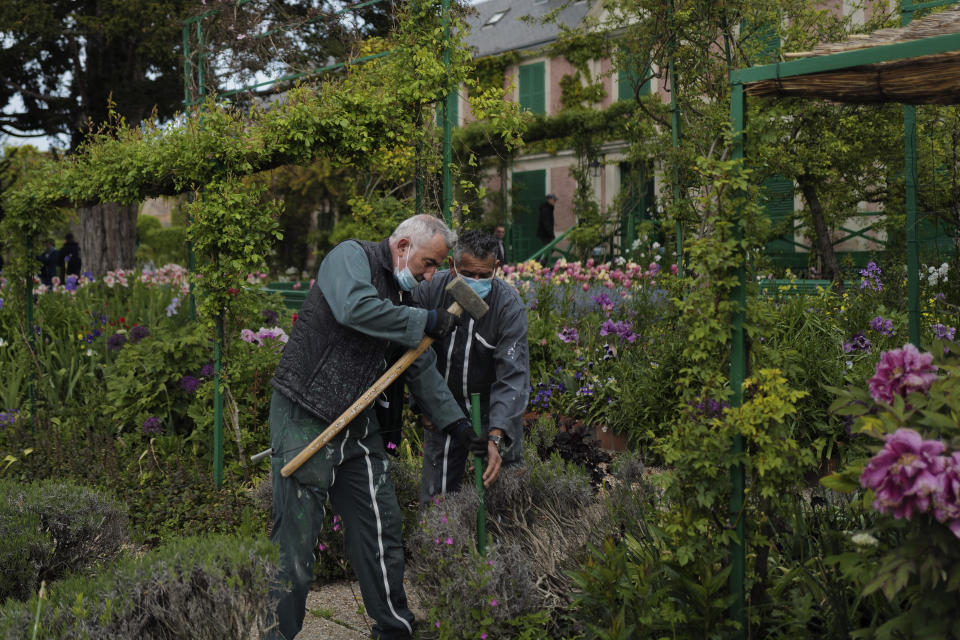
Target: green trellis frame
pixel 193 27
pixel 738 355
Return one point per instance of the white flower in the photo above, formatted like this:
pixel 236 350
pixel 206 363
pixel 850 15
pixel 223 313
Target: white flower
pixel 655 246
pixel 91 353
pixel 3 343
pixel 864 540
pixel 849 364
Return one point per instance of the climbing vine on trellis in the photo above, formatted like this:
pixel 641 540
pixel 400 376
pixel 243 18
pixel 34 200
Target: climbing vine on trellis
pixel 347 117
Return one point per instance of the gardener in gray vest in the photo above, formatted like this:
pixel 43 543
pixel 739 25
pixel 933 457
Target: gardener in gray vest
pixel 487 356
pixel 352 325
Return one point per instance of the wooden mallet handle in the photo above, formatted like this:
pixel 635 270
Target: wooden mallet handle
pixel 364 401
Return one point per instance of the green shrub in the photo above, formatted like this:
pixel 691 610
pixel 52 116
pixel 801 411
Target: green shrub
pixel 159 244
pixel 210 587
pixel 52 528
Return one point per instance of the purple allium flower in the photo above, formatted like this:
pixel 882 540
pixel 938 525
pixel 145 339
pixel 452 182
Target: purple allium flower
pixel 946 502
pixel 70 283
pixel 943 332
pixel 206 370
pixel 880 325
pixel 269 316
pixel 905 474
pixel 871 277
pixel 568 335
pixel 858 342
pixel 151 426
pixel 116 342
pixel 138 333
pixel 189 384
pixel 902 371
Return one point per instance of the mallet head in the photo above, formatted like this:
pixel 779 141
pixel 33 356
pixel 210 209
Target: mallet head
pixel 467 298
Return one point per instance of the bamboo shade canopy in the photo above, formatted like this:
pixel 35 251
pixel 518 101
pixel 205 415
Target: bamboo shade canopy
pixel 926 79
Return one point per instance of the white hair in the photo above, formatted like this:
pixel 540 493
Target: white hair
pixel 420 229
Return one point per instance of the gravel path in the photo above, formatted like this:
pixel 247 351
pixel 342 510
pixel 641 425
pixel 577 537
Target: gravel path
pixel 335 612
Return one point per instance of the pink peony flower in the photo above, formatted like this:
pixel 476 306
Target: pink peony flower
pixel 905 474
pixel 902 371
pixel 946 502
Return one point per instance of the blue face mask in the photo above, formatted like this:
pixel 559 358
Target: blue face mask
pixel 480 286
pixel 404 276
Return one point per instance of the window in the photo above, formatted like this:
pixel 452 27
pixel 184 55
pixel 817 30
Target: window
pixel 495 18
pixel 531 87
pixel 627 80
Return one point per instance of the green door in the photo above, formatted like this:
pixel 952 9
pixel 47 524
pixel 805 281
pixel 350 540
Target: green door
pixel 636 185
pixel 529 190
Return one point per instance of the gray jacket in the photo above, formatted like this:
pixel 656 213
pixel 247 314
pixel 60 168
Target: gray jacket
pixel 487 356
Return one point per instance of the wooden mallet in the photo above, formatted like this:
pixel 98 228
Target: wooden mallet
pixel 465 299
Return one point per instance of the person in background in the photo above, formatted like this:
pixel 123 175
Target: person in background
pixel 488 356
pixel 500 232
pixel 49 263
pixel 69 258
pixel 545 222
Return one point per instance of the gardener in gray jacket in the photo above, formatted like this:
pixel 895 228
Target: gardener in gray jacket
pixel 487 356
pixel 353 325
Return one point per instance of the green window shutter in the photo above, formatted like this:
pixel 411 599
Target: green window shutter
pixel 627 79
pixel 778 206
pixel 531 87
pixel 764 40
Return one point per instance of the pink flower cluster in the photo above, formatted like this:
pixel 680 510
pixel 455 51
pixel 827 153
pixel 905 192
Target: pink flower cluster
pixel 625 274
pixel 902 371
pixel 261 336
pixel 909 475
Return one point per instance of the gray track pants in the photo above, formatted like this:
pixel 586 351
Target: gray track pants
pixel 353 471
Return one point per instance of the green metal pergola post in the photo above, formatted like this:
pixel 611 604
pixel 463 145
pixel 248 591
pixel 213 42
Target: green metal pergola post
pixel 218 405
pixel 447 203
pixel 478 477
pixel 31 333
pixel 738 371
pixel 910 202
pixel 675 134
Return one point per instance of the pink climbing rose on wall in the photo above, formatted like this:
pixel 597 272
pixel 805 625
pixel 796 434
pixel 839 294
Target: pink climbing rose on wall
pixel 902 371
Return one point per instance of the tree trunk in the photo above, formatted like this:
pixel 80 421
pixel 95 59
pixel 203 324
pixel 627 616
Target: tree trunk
pixel 831 268
pixel 107 233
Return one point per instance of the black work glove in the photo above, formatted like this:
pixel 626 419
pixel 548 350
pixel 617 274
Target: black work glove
pixel 462 432
pixel 440 323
